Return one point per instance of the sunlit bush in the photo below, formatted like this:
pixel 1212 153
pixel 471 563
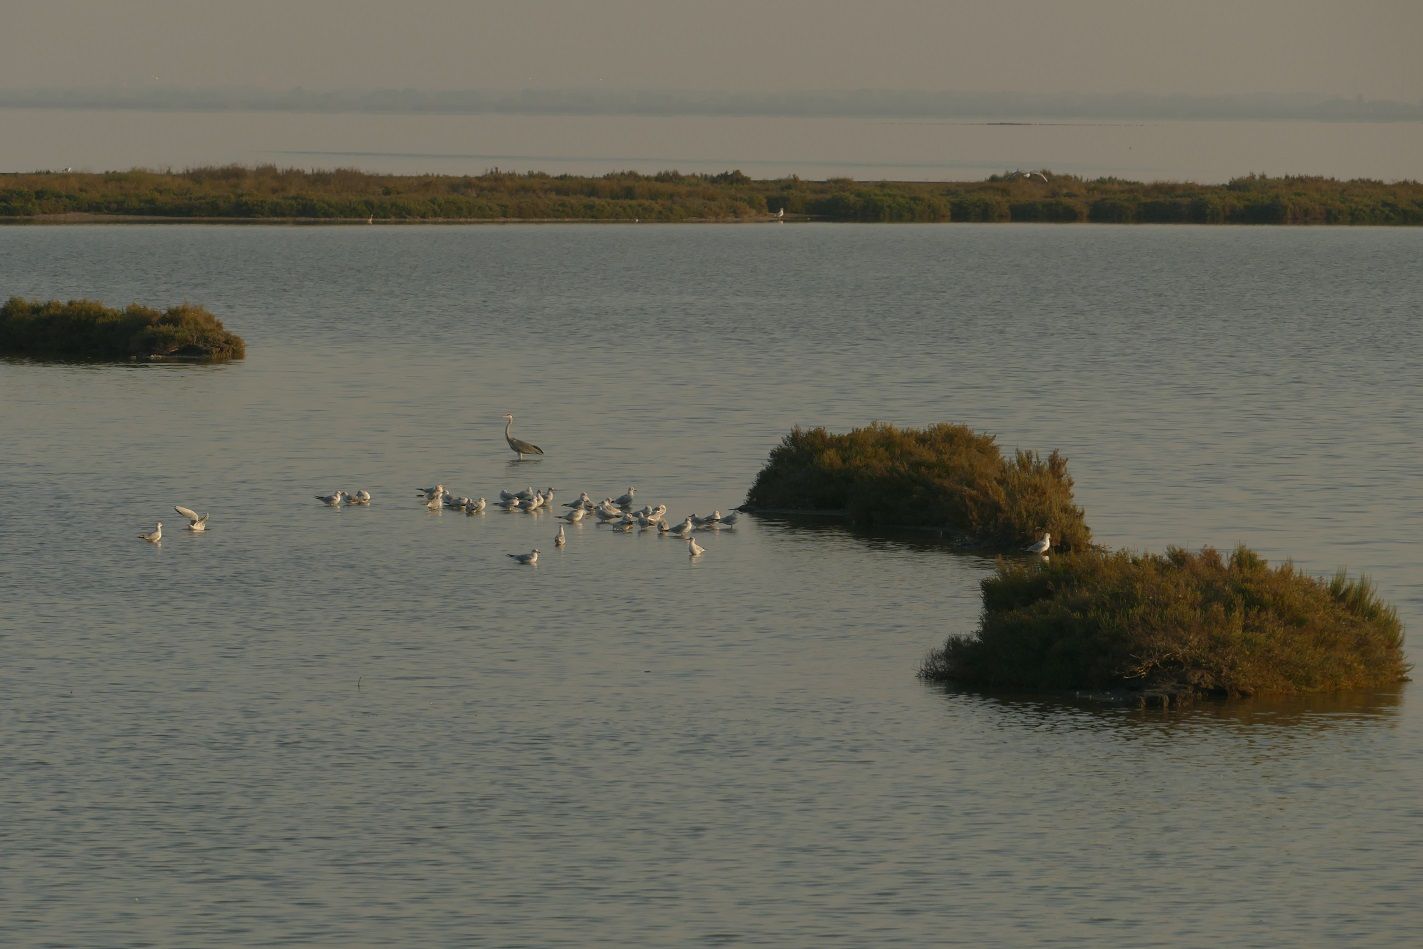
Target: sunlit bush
pixel 945 476
pixel 1178 623
pixel 86 329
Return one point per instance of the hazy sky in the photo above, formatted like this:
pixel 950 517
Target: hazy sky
pixel 1207 47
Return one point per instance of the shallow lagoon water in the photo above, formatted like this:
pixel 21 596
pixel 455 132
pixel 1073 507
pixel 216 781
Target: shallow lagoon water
pixel 368 726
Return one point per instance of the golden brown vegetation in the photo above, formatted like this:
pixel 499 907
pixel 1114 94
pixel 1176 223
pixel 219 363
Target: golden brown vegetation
pixel 86 329
pixel 1178 623
pixel 269 192
pixel 946 477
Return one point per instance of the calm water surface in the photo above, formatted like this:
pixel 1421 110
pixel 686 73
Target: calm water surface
pixel 369 727
pixel 761 146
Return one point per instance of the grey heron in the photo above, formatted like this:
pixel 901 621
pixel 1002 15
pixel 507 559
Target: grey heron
pixel 518 445
pixel 196 521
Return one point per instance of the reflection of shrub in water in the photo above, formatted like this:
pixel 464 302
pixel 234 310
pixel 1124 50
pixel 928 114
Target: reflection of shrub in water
pixel 945 476
pixel 1178 624
pixel 1122 712
pixel 86 329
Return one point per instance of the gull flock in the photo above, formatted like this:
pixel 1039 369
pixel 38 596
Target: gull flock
pixel 616 514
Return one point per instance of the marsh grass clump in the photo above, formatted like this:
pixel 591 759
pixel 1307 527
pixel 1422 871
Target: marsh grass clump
pixel 1180 623
pixel 86 329
pixel 946 477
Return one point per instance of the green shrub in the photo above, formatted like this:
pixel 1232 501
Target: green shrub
pixel 1180 623
pixel 86 329
pixel 945 476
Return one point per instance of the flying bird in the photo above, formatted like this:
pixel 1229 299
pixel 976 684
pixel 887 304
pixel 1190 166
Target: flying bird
pixel 1029 174
pixel 518 445
pixel 196 521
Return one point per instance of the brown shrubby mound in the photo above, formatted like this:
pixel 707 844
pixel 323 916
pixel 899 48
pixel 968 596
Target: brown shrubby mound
pixel 945 477
pixel 86 329
pixel 1180 623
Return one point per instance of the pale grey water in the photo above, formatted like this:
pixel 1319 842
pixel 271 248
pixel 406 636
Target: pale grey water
pixel 369 727
pixel 762 147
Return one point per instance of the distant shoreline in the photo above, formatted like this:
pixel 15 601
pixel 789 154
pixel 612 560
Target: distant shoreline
pixel 267 194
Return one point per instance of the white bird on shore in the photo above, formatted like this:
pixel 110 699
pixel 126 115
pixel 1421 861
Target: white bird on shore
pixel 196 521
pixel 154 536
pixel 531 558
pixel 1041 547
pixel 560 539
pixel 332 500
pixel 694 549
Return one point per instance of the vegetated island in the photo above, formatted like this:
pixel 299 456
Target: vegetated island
pixel 88 330
pixel 1159 628
pixel 1173 627
pixel 945 478
pixel 266 192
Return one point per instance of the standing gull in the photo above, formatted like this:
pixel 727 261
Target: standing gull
pixel 196 521
pixel 332 500
pixel 154 536
pixel 518 445
pixel 694 549
pixel 531 558
pixel 1041 547
pixel 560 539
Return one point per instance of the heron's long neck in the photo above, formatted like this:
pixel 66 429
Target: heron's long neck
pixel 508 427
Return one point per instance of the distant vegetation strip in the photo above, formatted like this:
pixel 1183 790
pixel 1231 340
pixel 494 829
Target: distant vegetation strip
pixel 269 192
pixel 86 329
pixel 945 477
